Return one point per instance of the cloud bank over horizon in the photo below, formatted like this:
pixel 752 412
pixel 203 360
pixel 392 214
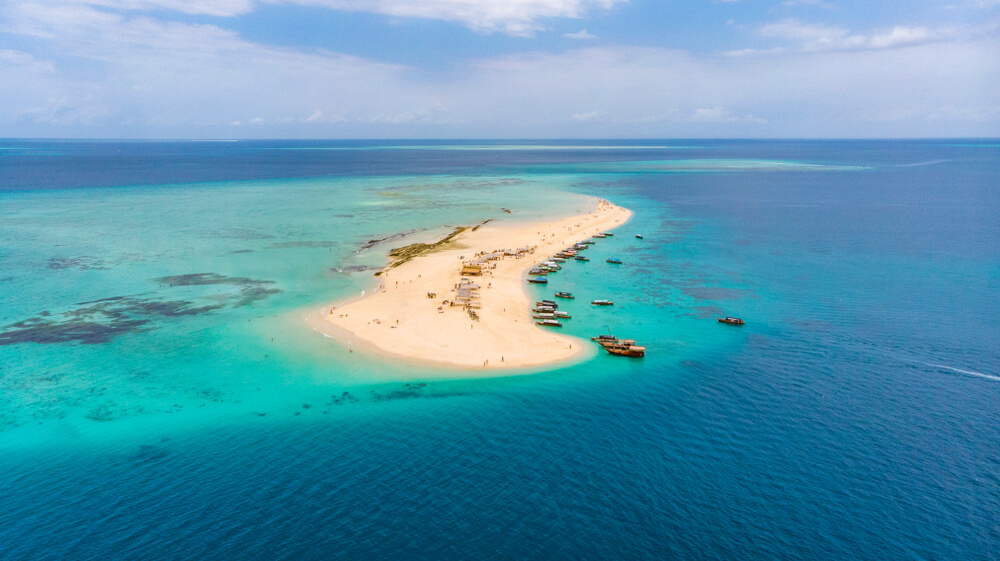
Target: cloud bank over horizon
pixel 514 69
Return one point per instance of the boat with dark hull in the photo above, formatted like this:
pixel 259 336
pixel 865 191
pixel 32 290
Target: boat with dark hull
pixel 620 347
pixel 731 320
pixel 635 351
pixel 604 338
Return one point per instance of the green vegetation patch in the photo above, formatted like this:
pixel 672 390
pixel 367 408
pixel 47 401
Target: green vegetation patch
pixel 406 253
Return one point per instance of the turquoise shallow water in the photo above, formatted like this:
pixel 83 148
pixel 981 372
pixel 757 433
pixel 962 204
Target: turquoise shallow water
pixel 161 398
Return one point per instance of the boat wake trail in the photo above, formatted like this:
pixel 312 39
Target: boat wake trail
pixel 966 372
pixel 927 163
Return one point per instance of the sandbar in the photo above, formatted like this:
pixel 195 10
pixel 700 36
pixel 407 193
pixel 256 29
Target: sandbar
pixel 398 318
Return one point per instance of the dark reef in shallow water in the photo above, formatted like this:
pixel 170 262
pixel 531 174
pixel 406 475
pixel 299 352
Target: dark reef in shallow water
pixel 374 242
pixel 202 279
pixel 99 321
pixel 251 290
pixel 410 391
pixel 242 234
pixel 290 245
pixel 83 263
pixel 251 294
pixel 149 453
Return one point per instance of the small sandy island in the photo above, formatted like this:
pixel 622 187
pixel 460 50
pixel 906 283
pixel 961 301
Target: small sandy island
pixel 400 319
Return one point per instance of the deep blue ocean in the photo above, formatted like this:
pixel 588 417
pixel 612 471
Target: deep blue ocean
pixel 160 397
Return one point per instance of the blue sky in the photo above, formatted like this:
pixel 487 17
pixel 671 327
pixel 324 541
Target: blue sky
pixel 499 68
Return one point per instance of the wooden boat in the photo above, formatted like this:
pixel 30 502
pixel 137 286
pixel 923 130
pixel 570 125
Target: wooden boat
pixel 613 341
pixel 626 350
pixel 543 310
pixel 562 315
pixel 544 315
pixel 564 295
pixel 559 259
pixel 539 280
pixel 538 271
pixel 607 234
pixel 587 242
pixel 614 260
pixel 639 236
pixel 547 303
pixel 732 321
pixel 599 236
pixel 549 323
pixel 579 258
pixel 603 303
pixel 604 338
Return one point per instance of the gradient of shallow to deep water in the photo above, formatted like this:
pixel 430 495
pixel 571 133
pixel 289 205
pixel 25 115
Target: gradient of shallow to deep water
pixel 160 398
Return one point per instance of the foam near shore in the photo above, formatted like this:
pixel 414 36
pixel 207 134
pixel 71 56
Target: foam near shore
pixel 398 318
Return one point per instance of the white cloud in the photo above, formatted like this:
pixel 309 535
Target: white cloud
pixel 24 61
pixel 66 112
pixel 818 37
pixel 123 76
pixel 515 17
pixel 582 34
pixel 222 8
pixel 819 3
pixel 900 36
pixel 795 29
pixel 721 115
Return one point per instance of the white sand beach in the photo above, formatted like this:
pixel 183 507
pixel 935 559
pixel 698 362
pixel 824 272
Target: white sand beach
pixel 397 317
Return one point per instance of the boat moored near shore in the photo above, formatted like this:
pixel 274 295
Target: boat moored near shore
pixel 620 347
pixel 626 350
